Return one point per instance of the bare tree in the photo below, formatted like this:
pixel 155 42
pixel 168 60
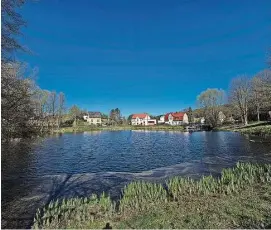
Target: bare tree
pixel 261 91
pixel 240 93
pixel 16 102
pixel 25 107
pixel 17 107
pixel 211 100
pixel 49 109
pixel 43 110
pixel 53 102
pixel 75 112
pixel 11 22
pixel 265 77
pixel 257 95
pixel 61 108
pixel 115 116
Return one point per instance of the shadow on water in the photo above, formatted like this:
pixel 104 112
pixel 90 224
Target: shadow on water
pixel 36 172
pixel 57 187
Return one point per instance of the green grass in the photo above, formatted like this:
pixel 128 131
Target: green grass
pixel 139 196
pixel 240 198
pixel 75 212
pixel 91 128
pixel 88 128
pixel 159 128
pixel 255 128
pixel 258 130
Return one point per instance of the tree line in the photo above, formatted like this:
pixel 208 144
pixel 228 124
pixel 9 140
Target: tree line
pixel 246 99
pixel 27 110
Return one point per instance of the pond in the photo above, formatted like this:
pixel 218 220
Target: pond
pixel 79 164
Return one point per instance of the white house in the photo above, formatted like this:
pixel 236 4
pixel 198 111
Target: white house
pixel 177 118
pixel 161 120
pixel 142 119
pixel 93 118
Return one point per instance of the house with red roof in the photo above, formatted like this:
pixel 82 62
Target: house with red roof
pixel 176 118
pixel 142 119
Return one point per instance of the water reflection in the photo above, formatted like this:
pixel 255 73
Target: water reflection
pixel 28 167
pixel 130 151
pixel 92 132
pixel 17 160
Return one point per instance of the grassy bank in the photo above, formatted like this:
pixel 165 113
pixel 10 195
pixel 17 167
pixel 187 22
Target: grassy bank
pixel 159 128
pixel 87 128
pixel 256 128
pixel 90 129
pixel 240 198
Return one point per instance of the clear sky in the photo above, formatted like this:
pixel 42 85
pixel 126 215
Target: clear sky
pixel 144 55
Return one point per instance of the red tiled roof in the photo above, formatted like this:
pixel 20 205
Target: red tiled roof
pixel 139 115
pixel 178 116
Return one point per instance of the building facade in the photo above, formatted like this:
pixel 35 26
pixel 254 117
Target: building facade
pixel 161 120
pixel 93 118
pixel 177 118
pixel 142 119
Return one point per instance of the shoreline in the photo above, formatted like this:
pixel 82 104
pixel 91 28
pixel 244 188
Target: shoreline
pixel 119 128
pixel 262 129
pixel 84 184
pixel 141 203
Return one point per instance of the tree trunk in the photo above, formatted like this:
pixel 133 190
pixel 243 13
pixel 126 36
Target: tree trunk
pixel 57 122
pixel 75 122
pixel 245 120
pixel 258 113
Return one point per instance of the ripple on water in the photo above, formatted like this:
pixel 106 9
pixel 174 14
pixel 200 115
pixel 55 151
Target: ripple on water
pixel 80 164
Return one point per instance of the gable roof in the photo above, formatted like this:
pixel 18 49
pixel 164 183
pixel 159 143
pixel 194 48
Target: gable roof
pixel 95 114
pixel 139 115
pixel 177 116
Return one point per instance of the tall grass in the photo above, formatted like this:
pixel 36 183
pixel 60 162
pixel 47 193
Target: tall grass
pixel 140 196
pixel 231 180
pixel 258 130
pixel 63 214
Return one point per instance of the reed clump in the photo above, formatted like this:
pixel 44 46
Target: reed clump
pixel 144 197
pixel 231 181
pixel 258 130
pixel 74 212
pixel 139 195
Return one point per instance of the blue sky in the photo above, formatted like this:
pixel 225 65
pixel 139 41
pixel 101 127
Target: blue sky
pixel 144 55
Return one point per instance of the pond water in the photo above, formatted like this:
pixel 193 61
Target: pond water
pixel 33 173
